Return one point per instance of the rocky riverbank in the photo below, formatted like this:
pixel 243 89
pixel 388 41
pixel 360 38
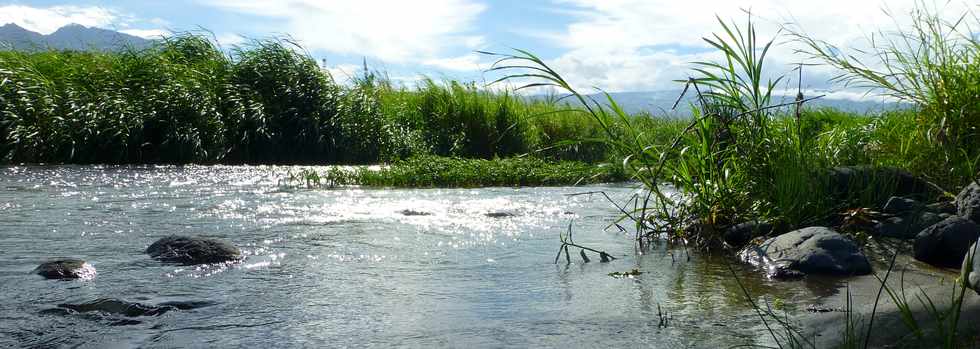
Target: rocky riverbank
pixel 911 283
pixel 927 292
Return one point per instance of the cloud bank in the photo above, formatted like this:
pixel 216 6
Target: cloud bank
pixel 49 19
pixel 412 32
pixel 635 45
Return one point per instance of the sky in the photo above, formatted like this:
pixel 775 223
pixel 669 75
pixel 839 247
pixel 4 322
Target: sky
pixel 615 45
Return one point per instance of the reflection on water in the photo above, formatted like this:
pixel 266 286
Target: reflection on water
pixel 348 267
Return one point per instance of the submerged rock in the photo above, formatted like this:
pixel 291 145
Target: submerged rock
pixel 499 214
pixel 813 250
pixel 945 243
pixel 410 212
pixel 968 202
pixel 129 309
pixel 68 268
pixel 970 270
pixel 118 307
pixel 193 250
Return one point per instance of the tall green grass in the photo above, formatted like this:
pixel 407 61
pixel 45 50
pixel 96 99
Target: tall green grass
pixel 187 100
pixel 933 64
pixel 744 157
pixel 737 160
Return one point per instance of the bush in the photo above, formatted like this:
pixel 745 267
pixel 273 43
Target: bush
pixel 298 99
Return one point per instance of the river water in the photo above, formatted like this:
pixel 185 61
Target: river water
pixel 346 268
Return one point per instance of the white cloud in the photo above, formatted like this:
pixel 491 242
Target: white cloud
pixel 46 20
pixel 393 31
pixel 628 45
pixel 49 19
pixel 343 73
pixel 787 95
pixel 147 33
pixel 470 62
pixel 228 40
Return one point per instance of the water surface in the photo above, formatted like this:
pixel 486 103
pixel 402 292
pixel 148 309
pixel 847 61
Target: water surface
pixel 345 267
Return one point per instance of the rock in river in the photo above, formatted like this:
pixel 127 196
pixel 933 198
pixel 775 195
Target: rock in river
pixel 68 268
pixel 128 309
pixel 945 243
pixel 499 214
pixel 968 202
pixel 813 250
pixel 193 250
pixel 411 212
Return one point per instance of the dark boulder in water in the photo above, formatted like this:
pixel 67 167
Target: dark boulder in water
pixel 118 307
pixel 499 214
pixel 128 309
pixel 813 250
pixel 63 269
pixel 193 250
pixel 968 202
pixel 411 212
pixel 944 244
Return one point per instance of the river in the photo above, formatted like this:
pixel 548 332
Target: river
pixel 347 268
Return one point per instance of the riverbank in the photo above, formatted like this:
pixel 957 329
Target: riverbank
pixel 745 169
pixel 442 172
pixel 919 314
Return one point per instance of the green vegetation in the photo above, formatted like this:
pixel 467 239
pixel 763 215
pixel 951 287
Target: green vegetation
pixel 744 157
pixel 935 65
pixel 435 171
pixel 185 100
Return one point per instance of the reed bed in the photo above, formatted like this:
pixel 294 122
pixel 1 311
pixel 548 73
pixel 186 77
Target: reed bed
pixel 185 100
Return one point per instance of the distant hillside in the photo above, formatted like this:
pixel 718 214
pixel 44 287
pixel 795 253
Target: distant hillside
pixel 69 37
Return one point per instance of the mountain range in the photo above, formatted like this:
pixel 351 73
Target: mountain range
pixel 661 102
pixel 69 37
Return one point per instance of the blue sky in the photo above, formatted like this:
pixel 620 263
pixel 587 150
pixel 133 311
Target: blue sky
pixel 619 45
